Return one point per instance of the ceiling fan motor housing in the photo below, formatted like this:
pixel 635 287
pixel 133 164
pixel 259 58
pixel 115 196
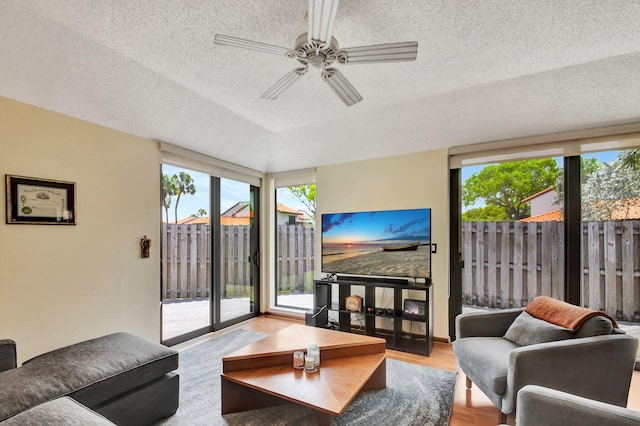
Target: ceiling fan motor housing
pixel 315 53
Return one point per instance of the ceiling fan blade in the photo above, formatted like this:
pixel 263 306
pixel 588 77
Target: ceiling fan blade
pixel 322 16
pixel 253 45
pixel 341 86
pixel 390 52
pixel 284 83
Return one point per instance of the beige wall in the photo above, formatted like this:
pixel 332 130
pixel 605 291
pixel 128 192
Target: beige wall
pixel 402 182
pixel 63 284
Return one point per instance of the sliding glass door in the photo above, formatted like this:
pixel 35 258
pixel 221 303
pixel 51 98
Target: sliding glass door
pixel 209 255
pixel 186 247
pixel 238 250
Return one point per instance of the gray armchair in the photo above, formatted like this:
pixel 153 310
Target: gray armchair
pixel 540 406
pixel 598 367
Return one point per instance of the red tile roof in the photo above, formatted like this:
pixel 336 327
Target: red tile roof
pixel 552 216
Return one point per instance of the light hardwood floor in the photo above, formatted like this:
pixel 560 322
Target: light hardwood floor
pixel 470 407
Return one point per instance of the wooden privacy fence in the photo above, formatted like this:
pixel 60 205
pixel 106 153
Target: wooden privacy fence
pixel 186 258
pixel 295 254
pixel 507 264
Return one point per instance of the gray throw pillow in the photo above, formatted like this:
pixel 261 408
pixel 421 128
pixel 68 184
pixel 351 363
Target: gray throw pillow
pixel 595 326
pixel 529 330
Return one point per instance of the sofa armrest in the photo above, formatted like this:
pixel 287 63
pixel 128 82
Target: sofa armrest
pixel 8 358
pixel 597 368
pixel 543 406
pixel 485 323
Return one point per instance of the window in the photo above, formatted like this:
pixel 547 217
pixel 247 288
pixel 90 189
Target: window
pixel 512 230
pixel 610 193
pixel 295 246
pixel 592 206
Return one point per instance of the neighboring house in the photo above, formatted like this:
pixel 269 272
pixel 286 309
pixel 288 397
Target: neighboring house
pixel 239 214
pixel 543 202
pixel 193 220
pixel 288 216
pixel 544 208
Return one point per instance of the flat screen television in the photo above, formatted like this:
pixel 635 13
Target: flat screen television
pixel 388 243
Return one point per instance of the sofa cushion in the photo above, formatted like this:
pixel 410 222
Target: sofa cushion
pixel 91 372
pixel 98 369
pixel 490 352
pixel 595 326
pixel 61 411
pixel 529 330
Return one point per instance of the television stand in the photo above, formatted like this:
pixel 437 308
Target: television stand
pixel 383 312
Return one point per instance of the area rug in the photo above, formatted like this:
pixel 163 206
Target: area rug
pixel 415 395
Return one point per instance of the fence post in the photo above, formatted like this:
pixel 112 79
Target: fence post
pixel 610 262
pixel 628 280
pixel 480 293
pixel 518 245
pixel 164 262
pixel 505 265
pixel 299 257
pixel 467 256
pixel 593 288
pixel 492 273
pixel 173 261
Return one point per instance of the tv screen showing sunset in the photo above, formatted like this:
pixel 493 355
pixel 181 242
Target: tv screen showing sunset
pixel 386 243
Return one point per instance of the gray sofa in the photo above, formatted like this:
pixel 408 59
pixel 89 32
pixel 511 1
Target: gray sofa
pixel 540 406
pixel 124 378
pixel 592 362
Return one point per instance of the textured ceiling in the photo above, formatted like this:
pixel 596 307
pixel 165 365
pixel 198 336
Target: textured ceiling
pixel 486 70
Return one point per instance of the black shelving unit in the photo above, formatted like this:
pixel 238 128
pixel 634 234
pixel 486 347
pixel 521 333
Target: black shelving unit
pixel 396 334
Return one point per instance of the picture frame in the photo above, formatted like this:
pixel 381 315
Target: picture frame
pixel 414 309
pixel 38 201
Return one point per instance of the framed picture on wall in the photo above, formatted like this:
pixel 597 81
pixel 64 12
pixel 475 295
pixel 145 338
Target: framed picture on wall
pixel 40 201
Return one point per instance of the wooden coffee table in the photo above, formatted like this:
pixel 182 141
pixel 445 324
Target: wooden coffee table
pixel 261 374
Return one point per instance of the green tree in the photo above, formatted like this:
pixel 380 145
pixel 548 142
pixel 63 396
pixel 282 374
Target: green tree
pixel 628 159
pixel 611 191
pixel 201 212
pixel 505 185
pixel 485 214
pixel 588 166
pixel 168 191
pixel 307 196
pixel 182 184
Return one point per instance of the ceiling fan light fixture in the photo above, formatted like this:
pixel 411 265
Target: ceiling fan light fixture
pixel 341 86
pixel 322 15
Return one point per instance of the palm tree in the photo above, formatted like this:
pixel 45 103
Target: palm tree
pixel 201 212
pixel 183 184
pixel 168 191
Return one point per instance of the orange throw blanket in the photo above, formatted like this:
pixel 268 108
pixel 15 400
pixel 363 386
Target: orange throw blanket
pixel 562 313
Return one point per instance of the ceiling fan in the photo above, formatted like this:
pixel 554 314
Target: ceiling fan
pixel 319 49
